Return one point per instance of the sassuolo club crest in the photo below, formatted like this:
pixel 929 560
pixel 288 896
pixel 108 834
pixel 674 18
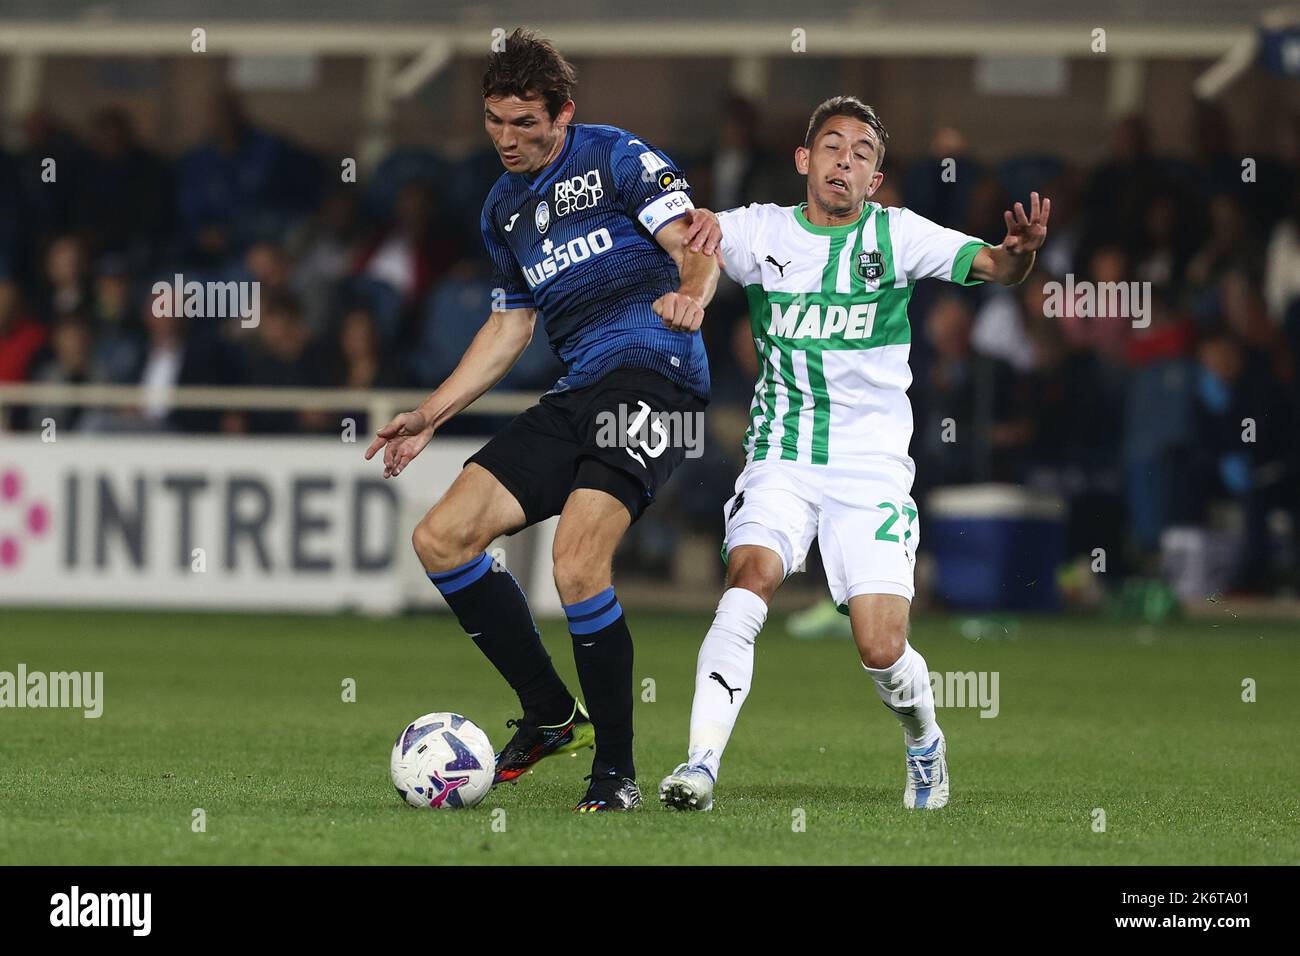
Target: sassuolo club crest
pixel 870 266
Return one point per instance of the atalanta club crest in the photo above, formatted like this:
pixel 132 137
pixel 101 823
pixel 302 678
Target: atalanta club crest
pixel 870 266
pixel 542 217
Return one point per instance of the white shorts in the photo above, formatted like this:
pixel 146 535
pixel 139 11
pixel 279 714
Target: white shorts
pixel 864 520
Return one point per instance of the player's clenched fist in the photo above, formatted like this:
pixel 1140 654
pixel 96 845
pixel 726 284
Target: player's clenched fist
pixel 401 439
pixel 680 312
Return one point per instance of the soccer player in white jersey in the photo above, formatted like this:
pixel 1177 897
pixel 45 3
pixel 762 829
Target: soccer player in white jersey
pixel 828 283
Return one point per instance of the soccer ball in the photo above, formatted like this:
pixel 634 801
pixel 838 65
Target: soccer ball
pixel 442 762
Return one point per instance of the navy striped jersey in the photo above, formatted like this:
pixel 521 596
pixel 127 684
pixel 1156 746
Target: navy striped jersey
pixel 576 242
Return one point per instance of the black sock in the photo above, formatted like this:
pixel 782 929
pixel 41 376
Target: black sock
pixel 602 650
pixel 491 607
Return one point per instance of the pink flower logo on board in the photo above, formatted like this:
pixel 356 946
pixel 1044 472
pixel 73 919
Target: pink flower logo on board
pixel 21 521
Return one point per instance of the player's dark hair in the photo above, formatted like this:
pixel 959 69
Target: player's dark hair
pixel 852 107
pixel 530 67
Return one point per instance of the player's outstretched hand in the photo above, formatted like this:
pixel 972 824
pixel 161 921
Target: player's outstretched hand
pixel 401 439
pixel 705 231
pixel 1027 233
pixel 680 312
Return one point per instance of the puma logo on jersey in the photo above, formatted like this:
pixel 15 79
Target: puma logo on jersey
pixel 511 224
pixel 854 322
pixel 731 691
pixel 779 265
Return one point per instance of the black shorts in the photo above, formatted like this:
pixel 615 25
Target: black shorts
pixel 623 435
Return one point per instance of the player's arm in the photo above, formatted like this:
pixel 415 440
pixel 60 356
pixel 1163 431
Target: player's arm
pixel 655 194
pixel 491 354
pixel 683 310
pixel 1010 262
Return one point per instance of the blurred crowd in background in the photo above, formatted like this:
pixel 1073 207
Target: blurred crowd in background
pixel 382 283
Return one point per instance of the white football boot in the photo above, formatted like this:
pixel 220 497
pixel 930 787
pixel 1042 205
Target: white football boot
pixel 927 777
pixel 689 787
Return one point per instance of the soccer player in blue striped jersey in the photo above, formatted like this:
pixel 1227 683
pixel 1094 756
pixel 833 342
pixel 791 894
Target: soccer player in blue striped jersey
pixel 592 228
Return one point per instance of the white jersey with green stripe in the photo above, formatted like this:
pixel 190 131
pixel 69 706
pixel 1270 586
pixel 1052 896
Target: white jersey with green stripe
pixel 828 311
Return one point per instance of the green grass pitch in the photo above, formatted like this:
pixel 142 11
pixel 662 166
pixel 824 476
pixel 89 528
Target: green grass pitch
pixel 242 716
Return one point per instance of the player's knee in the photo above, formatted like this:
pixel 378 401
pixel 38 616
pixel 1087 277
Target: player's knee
pixel 444 542
pixel 760 581
pixel 762 577
pixel 881 644
pixel 578 576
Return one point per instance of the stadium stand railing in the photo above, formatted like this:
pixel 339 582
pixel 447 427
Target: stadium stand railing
pixel 380 405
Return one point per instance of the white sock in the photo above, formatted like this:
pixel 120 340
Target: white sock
pixel 904 686
pixel 723 672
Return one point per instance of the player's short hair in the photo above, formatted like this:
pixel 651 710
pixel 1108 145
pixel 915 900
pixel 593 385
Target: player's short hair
pixel 530 67
pixel 847 106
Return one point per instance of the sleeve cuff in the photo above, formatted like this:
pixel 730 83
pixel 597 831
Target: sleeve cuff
pixel 965 258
